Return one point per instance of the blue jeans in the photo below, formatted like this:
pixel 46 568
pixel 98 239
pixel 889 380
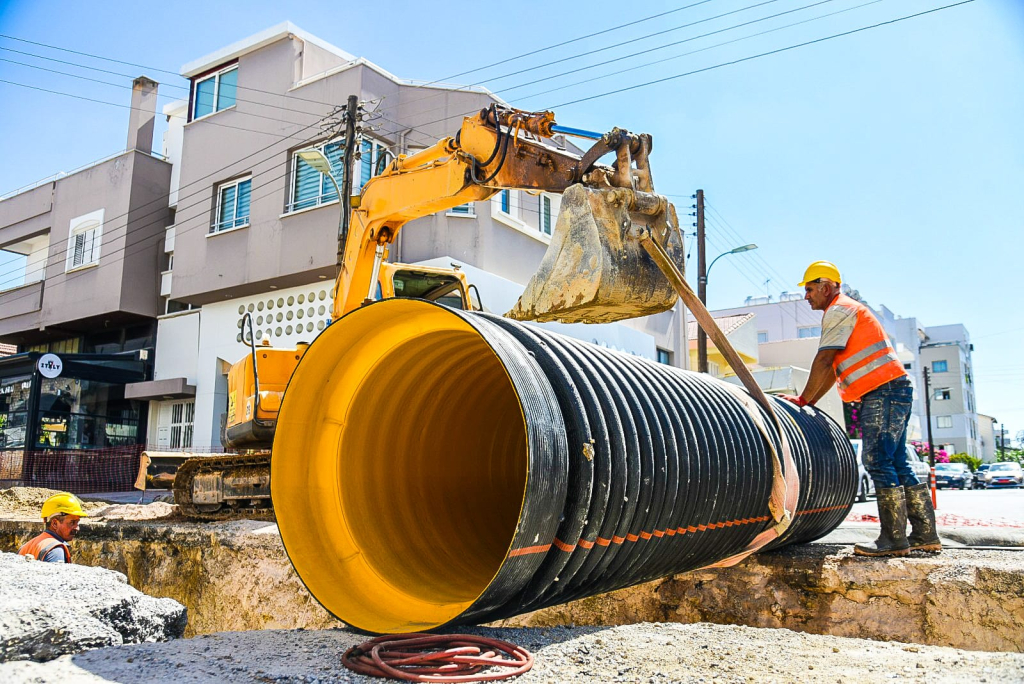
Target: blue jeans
pixel 884 415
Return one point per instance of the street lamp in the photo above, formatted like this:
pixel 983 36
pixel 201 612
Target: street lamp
pixel 738 250
pixel 702 287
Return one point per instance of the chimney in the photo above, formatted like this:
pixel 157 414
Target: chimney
pixel 143 114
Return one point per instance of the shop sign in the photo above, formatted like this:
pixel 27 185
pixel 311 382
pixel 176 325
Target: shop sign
pixel 50 365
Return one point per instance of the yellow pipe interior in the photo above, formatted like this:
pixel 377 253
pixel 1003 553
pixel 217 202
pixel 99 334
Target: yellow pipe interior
pixel 399 467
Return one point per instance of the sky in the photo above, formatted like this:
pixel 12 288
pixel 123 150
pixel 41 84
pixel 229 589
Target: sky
pixel 896 152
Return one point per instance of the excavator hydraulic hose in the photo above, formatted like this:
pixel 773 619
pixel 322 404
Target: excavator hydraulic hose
pixel 434 467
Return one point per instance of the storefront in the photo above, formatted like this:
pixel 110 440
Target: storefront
pixel 64 419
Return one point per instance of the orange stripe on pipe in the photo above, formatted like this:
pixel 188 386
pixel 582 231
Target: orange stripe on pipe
pixel 568 548
pixel 601 541
pixel 526 550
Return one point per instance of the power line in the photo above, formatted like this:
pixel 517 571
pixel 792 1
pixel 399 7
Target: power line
pixel 728 63
pixel 762 54
pixel 165 96
pixel 699 50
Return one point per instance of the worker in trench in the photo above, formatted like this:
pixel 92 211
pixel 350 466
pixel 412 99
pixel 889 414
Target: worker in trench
pixel 855 353
pixel 61 513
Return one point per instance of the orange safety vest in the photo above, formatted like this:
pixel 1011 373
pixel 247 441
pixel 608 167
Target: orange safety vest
pixel 869 360
pixel 38 547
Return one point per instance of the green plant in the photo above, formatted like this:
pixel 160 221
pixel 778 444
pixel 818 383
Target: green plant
pixel 969 460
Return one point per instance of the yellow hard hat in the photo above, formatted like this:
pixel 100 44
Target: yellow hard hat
pixel 821 269
pixel 63 503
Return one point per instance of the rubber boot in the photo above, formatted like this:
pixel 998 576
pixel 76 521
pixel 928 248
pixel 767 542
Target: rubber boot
pixel 892 514
pixel 923 535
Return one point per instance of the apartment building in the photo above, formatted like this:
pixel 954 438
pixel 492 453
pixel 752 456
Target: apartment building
pixel 946 353
pixel 83 305
pixel 255 227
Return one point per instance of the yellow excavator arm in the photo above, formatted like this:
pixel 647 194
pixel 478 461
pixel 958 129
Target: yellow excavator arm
pixel 502 148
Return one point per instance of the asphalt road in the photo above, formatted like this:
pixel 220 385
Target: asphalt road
pixel 983 504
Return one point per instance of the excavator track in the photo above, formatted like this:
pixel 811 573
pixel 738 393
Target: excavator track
pixel 255 507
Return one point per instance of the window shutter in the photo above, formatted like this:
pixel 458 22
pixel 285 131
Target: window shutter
pixel 366 163
pixel 307 185
pixel 545 214
pixel 334 153
pixel 78 258
pixel 227 207
pixel 242 211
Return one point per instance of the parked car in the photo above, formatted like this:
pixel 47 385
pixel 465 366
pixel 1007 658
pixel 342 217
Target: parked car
pixel 920 468
pixel 952 475
pixel 979 475
pixel 1004 475
pixel 865 485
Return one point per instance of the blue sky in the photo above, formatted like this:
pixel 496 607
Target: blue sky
pixel 897 152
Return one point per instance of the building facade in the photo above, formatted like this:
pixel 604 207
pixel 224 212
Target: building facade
pixel 91 242
pixel 255 227
pixel 946 354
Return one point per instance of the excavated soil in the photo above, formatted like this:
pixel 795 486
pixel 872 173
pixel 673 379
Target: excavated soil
pixel 652 653
pixel 25 503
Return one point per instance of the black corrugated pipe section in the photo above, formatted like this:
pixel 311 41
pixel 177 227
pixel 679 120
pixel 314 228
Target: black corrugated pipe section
pixel 615 470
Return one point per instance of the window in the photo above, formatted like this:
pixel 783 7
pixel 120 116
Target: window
pixel 84 240
pixel 466 209
pixel 762 337
pixel 182 417
pixel 944 421
pixel 664 356
pixel 215 92
pixel 370 161
pixel 506 201
pixel 940 367
pixel 310 188
pixel 942 394
pixel 809 331
pixel 232 205
pixel 908 366
pixel 545 214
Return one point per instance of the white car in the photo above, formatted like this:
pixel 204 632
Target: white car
pixel 919 466
pixel 865 485
pixel 1004 475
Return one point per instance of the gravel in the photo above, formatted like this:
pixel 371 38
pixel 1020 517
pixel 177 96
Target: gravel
pixel 646 652
pixel 51 609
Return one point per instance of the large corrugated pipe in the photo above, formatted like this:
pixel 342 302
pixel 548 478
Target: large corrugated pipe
pixel 434 466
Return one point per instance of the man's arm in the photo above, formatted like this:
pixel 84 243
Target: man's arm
pixel 822 376
pixel 820 381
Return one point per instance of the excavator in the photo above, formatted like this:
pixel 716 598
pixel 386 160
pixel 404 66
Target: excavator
pixel 614 254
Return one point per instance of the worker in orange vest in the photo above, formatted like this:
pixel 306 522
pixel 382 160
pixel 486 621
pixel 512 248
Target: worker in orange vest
pixel 855 353
pixel 61 513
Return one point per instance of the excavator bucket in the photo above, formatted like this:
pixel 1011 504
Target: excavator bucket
pixel 595 270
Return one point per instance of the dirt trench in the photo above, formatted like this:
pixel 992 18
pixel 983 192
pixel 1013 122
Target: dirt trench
pixel 235 576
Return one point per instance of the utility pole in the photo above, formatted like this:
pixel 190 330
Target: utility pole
pixel 702 284
pixel 931 444
pixel 1002 441
pixel 352 116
